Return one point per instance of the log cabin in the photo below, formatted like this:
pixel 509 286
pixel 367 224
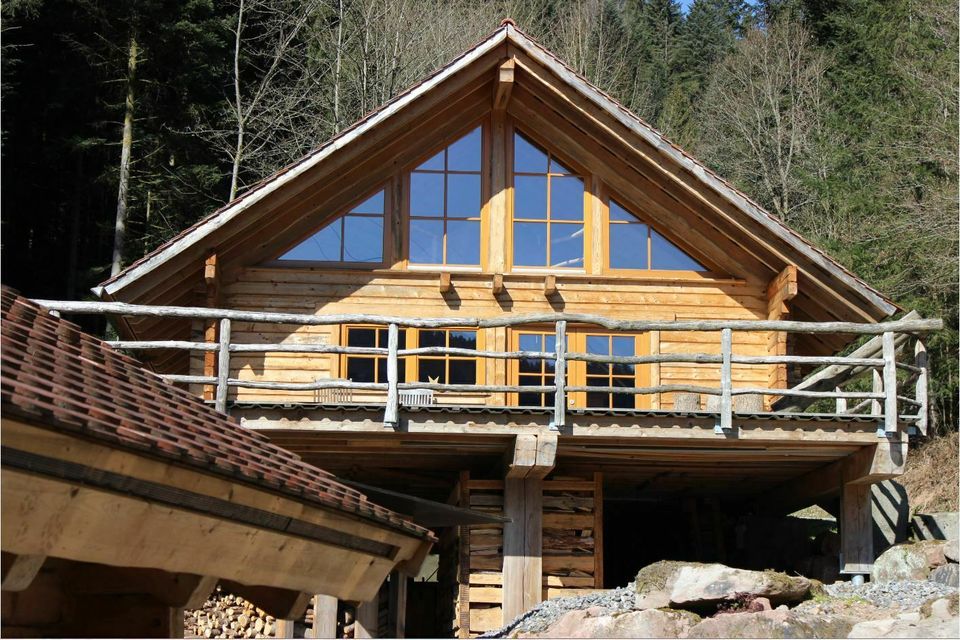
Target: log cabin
pixel 505 291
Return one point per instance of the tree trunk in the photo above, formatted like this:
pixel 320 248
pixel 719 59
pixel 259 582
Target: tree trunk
pixel 241 117
pixel 120 228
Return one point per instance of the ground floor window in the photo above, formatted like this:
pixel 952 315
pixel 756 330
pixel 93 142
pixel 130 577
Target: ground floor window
pixel 535 372
pixel 442 369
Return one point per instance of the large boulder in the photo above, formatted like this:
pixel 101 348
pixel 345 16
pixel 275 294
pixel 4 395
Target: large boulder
pixel 936 619
pixel 952 550
pixel 596 623
pixel 704 585
pixel 654 582
pixel 909 561
pixel 779 623
pixel 936 526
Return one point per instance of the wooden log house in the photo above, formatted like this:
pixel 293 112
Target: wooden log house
pixel 505 291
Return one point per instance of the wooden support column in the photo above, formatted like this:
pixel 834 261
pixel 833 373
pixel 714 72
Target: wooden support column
pixel 780 291
pixel 284 629
pixel 324 616
pixel 522 545
pixel 211 280
pixel 497 245
pixel 856 529
pixel 397 613
pixel 368 619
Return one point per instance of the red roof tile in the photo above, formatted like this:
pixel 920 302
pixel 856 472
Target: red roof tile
pixel 54 375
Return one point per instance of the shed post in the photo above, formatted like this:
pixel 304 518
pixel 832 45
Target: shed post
pixel 324 616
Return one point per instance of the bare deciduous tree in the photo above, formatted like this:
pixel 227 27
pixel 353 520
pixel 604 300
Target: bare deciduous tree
pixel 763 112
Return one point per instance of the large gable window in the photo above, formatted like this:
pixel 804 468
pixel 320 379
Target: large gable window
pixel 548 206
pixel 356 236
pixel 635 245
pixel 445 202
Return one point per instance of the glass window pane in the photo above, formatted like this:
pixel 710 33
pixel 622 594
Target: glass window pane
pixel 530 197
pixel 599 345
pixel 622 382
pixel 360 369
pixel 566 199
pixel 433 164
pixel 623 369
pixel 623 401
pixel 361 337
pixel 628 246
pixel 463 339
pixel 623 345
pixel 463 196
pixel 530 399
pixel 528 158
pixel 382 370
pixel 373 204
pixel 666 255
pixel 556 167
pixel 464 154
pixel 530 244
pixel 426 194
pixel 323 246
pixel 463 242
pixel 432 371
pixel 531 342
pixel 426 241
pixel 598 400
pixel 529 365
pixel 463 372
pixel 618 213
pixel 432 338
pixel 531 381
pixel 362 239
pixel 566 245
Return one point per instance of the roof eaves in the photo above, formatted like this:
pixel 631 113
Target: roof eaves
pixel 203 228
pixel 736 197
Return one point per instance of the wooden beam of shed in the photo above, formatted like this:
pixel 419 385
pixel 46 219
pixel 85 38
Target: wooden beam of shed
pixel 781 290
pixel 177 590
pixel 503 86
pixel 283 604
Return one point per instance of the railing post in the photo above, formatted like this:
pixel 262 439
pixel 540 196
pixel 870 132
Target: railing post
pixel 726 380
pixel 560 377
pixel 920 361
pixel 890 417
pixel 391 415
pixel 841 402
pixel 223 366
pixel 875 407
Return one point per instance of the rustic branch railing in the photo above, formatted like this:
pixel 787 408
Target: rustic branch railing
pixel 883 400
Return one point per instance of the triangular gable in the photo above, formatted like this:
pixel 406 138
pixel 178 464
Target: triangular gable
pixel 728 207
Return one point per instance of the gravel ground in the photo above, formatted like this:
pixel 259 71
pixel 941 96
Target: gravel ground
pixel 546 613
pixel 905 594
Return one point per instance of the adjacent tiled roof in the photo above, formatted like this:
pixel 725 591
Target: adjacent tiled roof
pixel 54 375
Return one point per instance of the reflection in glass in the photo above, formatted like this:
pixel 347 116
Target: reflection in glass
pixel 463 196
pixel 362 239
pixel 426 241
pixel 463 242
pixel 529 244
pixel 530 197
pixel 356 236
pixel 666 255
pixel 464 154
pixel 566 198
pixel 528 158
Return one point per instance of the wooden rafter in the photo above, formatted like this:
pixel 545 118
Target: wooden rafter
pixel 504 84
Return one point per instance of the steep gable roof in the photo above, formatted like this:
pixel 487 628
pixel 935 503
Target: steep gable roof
pixel 759 232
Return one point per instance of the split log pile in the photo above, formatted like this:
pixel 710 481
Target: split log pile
pixel 227 616
pixel 571 555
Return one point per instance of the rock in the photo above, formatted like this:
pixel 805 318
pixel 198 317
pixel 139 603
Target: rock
pixel 952 550
pixel 711 584
pixel 772 624
pixel 936 526
pixel 652 623
pixel 948 574
pixel 243 621
pixel 269 629
pixel 909 561
pixel 258 625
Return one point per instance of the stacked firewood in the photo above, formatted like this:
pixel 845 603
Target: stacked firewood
pixel 228 616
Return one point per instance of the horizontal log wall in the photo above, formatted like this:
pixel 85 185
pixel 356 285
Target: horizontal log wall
pixel 418 295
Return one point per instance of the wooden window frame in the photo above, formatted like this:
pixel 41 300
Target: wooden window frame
pixel 576 370
pixel 410 365
pixel 405 216
pixel 604 197
pixel 386 257
pixel 344 357
pixel 511 129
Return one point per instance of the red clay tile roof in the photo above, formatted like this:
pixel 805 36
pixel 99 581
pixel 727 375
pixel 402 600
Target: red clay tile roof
pixel 54 375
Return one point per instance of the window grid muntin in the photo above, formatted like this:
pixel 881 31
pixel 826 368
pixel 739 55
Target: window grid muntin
pixel 379 361
pixel 447 358
pixel 610 377
pixel 549 220
pixel 637 222
pixel 445 218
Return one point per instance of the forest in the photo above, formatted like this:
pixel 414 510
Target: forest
pixel 123 122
